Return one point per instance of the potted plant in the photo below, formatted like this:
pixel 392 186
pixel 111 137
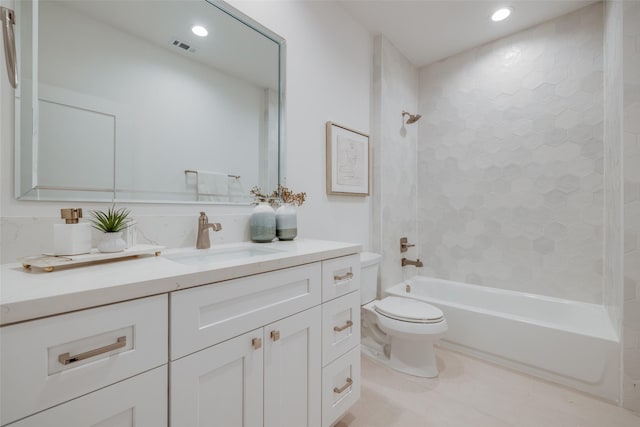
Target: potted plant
pixel 111 223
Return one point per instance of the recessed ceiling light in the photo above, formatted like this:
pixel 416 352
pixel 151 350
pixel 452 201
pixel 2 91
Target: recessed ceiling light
pixel 501 14
pixel 199 30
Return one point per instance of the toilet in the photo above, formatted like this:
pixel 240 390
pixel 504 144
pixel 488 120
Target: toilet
pixel 397 331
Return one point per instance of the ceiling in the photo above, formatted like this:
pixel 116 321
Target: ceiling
pixel 426 31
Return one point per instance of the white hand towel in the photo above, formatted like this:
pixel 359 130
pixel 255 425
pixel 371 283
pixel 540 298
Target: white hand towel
pixel 213 183
pixel 237 193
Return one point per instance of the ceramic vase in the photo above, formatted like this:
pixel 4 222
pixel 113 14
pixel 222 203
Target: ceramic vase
pixel 262 224
pixel 286 222
pixel 112 242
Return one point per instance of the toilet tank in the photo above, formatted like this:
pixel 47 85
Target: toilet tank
pixel 369 263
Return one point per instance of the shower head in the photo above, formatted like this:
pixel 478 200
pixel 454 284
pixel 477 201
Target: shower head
pixel 412 117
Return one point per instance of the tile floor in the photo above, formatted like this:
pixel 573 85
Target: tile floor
pixel 474 393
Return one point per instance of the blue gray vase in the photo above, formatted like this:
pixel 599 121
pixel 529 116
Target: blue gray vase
pixel 262 224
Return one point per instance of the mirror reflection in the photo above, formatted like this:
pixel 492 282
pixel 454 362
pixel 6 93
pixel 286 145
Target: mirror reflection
pixel 141 109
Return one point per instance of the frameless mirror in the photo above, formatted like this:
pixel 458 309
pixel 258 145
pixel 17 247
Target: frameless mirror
pixel 122 100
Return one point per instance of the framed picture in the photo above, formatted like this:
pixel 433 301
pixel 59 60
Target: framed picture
pixel 347 161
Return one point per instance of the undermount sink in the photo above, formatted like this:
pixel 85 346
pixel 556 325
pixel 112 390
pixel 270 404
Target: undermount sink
pixel 208 256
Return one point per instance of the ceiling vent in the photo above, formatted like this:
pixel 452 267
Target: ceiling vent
pixel 182 45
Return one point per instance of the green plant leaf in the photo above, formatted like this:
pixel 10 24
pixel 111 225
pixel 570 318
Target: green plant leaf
pixel 111 221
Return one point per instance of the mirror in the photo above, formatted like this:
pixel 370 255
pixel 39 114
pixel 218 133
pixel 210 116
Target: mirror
pixel 121 100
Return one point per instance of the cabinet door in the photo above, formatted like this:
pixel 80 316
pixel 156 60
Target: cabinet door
pixel 140 401
pixel 219 386
pixel 292 376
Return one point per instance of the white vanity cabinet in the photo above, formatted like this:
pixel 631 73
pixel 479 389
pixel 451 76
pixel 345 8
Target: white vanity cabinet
pixel 275 349
pixel 269 343
pixel 54 360
pixel 269 375
pixel 271 372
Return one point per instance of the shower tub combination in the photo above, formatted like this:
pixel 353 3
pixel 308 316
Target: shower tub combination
pixel 568 342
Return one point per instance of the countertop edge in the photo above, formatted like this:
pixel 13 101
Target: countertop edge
pixel 51 305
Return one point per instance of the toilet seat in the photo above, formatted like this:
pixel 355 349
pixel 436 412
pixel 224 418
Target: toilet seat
pixel 408 310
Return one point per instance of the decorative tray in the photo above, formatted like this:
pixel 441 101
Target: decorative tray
pixel 49 262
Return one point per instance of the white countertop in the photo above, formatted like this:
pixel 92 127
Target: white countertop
pixel 30 294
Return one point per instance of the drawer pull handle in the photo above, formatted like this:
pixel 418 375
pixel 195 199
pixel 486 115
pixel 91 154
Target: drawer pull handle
pixel 66 358
pixel 256 343
pixel 345 276
pixel 344 387
pixel 342 328
pixel 275 335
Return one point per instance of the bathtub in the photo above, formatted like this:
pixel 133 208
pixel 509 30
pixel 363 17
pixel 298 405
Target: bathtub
pixel 568 342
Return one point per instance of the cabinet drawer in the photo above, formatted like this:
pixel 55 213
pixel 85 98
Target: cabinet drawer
pixel 207 315
pixel 340 276
pixel 49 361
pixel 140 401
pixel 340 386
pixel 340 326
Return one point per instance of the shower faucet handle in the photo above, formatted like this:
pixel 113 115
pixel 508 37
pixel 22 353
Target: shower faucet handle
pixel 405 245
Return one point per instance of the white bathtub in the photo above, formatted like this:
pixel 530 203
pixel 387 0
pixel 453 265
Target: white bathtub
pixel 568 342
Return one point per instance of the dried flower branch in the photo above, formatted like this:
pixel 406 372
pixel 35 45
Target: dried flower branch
pixel 257 193
pixel 282 194
pixel 288 196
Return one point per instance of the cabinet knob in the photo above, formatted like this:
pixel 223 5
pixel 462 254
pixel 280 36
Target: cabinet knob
pixel 275 335
pixel 256 343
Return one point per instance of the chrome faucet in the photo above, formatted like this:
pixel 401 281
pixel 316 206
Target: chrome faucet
pixel 417 262
pixel 203 241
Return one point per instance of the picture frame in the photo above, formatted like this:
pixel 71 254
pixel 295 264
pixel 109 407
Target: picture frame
pixel 348 161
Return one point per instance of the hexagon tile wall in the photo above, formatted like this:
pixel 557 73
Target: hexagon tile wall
pixel 510 161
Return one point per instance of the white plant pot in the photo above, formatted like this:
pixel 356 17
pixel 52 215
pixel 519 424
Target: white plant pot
pixel 112 242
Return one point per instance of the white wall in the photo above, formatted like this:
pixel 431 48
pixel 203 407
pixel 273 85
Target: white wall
pixel 329 70
pixel 328 78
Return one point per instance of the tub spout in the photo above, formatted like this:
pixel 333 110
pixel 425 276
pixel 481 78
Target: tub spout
pixel 416 263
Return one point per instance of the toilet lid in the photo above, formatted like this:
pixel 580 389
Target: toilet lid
pixel 409 310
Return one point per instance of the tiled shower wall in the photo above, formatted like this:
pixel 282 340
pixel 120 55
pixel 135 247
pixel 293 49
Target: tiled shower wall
pixel 395 198
pixel 631 167
pixel 613 219
pixel 510 161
